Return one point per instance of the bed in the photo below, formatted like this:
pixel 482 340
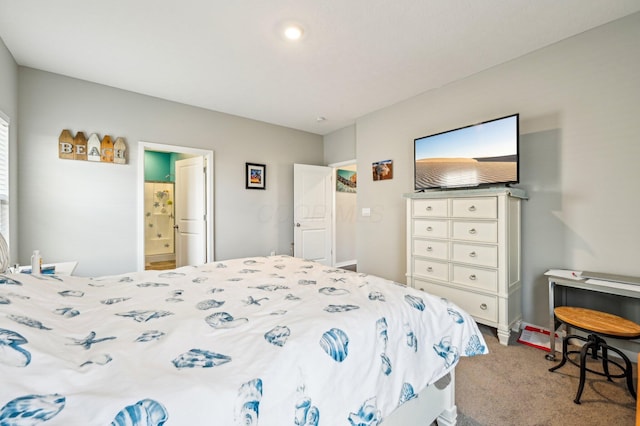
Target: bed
pixel 267 340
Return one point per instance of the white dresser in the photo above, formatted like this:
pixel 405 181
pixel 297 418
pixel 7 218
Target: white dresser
pixel 464 245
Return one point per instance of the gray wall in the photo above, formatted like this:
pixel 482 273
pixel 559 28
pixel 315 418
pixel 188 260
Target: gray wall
pixel 580 144
pixel 9 106
pixel 340 145
pixel 76 210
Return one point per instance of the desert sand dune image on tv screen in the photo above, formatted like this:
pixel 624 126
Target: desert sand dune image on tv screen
pixel 451 172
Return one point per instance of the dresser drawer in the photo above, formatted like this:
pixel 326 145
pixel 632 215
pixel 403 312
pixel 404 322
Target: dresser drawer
pixel 480 306
pixel 430 228
pixel 431 269
pixel 475 254
pixel 430 208
pixel 481 208
pixel 486 232
pixel 484 279
pixel 431 248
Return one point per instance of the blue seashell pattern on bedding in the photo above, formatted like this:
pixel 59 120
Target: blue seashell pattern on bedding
pixel 255 341
pixel 31 409
pixel 11 352
pixel 306 413
pixel 248 403
pixel 335 343
pixel 146 412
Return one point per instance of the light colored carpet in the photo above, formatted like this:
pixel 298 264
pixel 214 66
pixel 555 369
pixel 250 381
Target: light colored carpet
pixel 512 386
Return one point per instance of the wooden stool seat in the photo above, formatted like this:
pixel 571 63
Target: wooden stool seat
pixel 597 324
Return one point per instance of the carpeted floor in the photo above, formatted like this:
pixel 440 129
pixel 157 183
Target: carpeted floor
pixel 512 386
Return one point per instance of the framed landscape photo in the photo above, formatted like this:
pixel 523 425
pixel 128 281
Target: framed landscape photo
pixel 346 180
pixel 255 176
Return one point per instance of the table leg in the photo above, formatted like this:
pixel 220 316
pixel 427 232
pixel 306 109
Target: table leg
pixel 551 356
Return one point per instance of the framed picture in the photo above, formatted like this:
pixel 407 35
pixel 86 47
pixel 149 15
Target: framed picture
pixel 382 170
pixel 256 176
pixel 346 180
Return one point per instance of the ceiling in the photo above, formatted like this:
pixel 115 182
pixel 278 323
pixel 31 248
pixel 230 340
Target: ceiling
pixel 355 57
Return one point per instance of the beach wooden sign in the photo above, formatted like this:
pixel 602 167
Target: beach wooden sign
pixel 103 150
pixel 80 145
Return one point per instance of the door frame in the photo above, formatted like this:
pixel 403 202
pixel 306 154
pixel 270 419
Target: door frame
pixel 333 213
pixel 208 156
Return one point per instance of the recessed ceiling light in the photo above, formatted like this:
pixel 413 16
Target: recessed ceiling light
pixel 293 32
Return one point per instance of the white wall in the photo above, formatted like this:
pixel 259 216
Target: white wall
pixel 580 143
pixel 76 210
pixel 9 106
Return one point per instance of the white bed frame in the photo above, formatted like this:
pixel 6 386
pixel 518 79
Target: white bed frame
pixel 431 404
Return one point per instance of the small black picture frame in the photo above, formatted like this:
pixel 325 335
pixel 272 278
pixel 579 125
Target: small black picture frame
pixel 255 176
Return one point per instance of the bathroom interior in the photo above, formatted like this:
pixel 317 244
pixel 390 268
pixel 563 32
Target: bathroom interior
pixel 159 198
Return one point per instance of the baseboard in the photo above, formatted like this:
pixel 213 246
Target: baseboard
pixel 346 263
pixel 619 343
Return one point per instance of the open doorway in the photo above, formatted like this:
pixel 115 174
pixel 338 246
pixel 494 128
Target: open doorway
pixel 344 217
pixel 159 215
pixel 160 242
pixel 324 216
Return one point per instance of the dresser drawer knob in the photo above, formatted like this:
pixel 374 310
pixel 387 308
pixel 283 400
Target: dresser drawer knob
pixel 472 254
pixel 429 229
pixel 472 208
pixel 429 208
pixel 429 248
pixel 429 269
pixel 472 231
pixel 483 306
pixel 473 277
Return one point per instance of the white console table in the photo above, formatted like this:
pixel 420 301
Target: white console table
pixel 604 283
pixel 61 268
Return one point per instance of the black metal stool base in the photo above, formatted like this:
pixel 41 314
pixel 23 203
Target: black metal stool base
pixel 599 350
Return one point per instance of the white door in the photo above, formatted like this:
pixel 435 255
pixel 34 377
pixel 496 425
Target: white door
pixel 312 214
pixel 190 208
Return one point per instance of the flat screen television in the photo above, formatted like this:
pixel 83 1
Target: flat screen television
pixel 481 154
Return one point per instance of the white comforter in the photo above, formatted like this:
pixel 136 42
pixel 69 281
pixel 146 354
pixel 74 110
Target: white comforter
pixel 270 341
